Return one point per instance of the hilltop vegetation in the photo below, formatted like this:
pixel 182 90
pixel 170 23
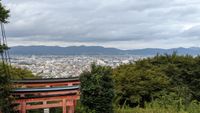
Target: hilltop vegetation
pixel 147 79
pixel 162 84
pixel 6 85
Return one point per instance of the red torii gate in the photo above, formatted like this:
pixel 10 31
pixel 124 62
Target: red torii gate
pixel 62 101
pixel 49 82
pixel 46 93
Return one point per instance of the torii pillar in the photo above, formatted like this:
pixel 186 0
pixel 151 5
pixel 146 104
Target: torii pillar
pixel 64 106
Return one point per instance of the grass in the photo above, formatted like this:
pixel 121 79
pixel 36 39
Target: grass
pixel 155 107
pixel 147 110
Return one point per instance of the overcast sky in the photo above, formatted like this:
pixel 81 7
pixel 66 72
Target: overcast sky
pixel 124 24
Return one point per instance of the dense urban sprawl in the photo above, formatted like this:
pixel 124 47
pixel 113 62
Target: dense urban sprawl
pixel 66 66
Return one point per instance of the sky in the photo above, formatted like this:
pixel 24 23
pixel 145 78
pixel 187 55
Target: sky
pixel 123 24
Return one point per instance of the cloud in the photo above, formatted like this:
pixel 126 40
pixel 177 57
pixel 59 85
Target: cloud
pixel 115 23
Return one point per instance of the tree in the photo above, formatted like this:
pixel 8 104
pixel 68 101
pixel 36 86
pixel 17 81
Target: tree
pixel 151 78
pixel 19 73
pixel 97 89
pixel 5 99
pixel 138 83
pixel 4 14
pixel 5 87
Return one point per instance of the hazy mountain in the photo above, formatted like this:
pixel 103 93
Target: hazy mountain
pixel 154 51
pixel 96 50
pixel 71 50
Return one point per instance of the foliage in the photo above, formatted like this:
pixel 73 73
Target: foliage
pixel 97 90
pixel 137 83
pixel 19 73
pixel 55 110
pixel 194 107
pixel 5 85
pixel 184 73
pixel 36 111
pixel 166 104
pixel 15 73
pixel 5 99
pixel 4 13
pixel 151 78
pixel 83 109
pixel 147 110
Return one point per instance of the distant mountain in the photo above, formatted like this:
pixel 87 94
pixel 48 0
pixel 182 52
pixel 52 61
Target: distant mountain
pixel 71 50
pixel 96 50
pixel 154 51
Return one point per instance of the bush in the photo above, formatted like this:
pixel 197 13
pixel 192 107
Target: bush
pixel 97 90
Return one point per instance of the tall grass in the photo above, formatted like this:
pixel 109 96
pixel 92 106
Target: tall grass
pixel 157 107
pixel 147 110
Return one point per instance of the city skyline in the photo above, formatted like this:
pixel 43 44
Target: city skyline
pixel 55 66
pixel 123 24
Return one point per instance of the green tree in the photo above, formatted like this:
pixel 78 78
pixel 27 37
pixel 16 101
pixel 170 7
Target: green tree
pixel 151 78
pixel 97 89
pixel 138 83
pixel 5 99
pixel 19 73
pixel 4 13
pixel 183 72
pixel 5 87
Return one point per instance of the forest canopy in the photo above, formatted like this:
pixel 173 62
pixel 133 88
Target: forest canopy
pixel 152 78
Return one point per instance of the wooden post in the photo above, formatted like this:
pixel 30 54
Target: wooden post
pixel 71 106
pixel 71 109
pixel 64 106
pixel 75 102
pixel 23 107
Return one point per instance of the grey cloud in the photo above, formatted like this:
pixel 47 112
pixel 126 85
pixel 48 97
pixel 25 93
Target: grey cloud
pixel 193 32
pixel 103 21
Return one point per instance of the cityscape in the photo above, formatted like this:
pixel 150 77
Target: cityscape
pixel 99 56
pixel 58 66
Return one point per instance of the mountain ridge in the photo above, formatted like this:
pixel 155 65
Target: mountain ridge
pixel 97 50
